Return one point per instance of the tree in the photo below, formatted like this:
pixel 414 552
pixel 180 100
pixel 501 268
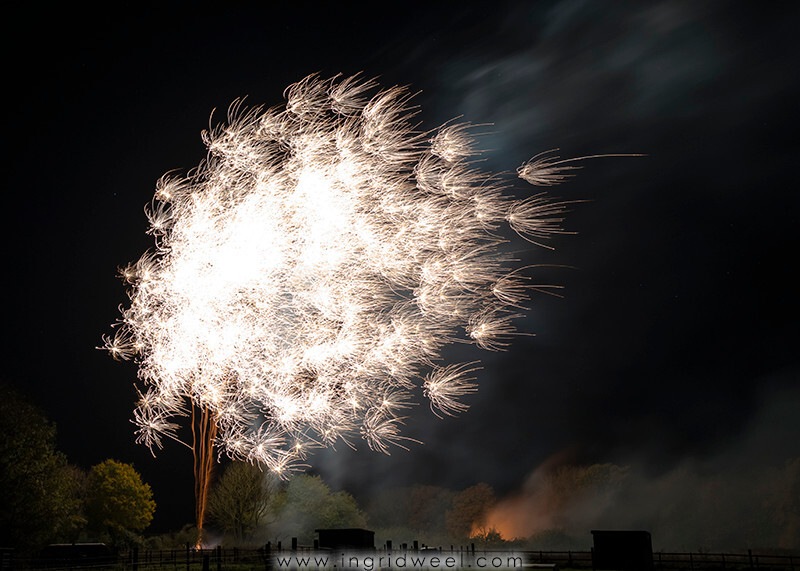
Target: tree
pixel 307 503
pixel 389 508
pixel 470 508
pixel 74 485
pixel 119 502
pixel 240 500
pixel 35 496
pixel 427 506
pixel 489 537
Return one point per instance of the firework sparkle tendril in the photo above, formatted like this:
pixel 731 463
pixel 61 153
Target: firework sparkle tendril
pixel 307 274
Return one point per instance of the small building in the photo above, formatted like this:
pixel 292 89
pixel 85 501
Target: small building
pixel 351 538
pixel 626 550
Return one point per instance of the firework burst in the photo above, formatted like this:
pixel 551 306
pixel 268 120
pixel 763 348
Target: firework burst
pixel 308 273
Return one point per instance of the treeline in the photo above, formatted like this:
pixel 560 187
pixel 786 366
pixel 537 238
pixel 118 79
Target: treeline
pixel 44 499
pixel 248 506
pixel 435 515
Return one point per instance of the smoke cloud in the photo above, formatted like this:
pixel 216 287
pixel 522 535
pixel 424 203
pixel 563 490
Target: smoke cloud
pixel 745 495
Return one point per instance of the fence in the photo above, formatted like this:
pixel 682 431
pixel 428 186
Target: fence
pixel 231 559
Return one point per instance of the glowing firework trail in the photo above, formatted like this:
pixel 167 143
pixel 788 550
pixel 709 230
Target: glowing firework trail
pixel 204 430
pixel 309 271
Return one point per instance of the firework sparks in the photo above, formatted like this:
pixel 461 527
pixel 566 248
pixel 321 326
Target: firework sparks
pixel 308 273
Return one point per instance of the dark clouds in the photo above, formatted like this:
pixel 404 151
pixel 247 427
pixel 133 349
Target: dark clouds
pixel 679 308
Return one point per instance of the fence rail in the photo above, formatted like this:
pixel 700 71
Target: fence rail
pixel 264 558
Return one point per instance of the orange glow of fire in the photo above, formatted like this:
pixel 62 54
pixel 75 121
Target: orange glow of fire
pixel 515 517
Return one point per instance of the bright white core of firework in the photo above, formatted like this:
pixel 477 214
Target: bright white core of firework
pixel 308 273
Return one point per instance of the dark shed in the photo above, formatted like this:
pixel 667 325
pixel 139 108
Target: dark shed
pixel 627 550
pixel 352 538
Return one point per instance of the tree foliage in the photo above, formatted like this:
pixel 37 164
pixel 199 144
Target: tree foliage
pixel 427 508
pixel 36 498
pixel 439 514
pixel 74 483
pixel 489 537
pixel 240 501
pixel 119 502
pixel 306 503
pixel 470 508
pixel 173 539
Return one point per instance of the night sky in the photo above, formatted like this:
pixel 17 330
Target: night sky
pixel 676 339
